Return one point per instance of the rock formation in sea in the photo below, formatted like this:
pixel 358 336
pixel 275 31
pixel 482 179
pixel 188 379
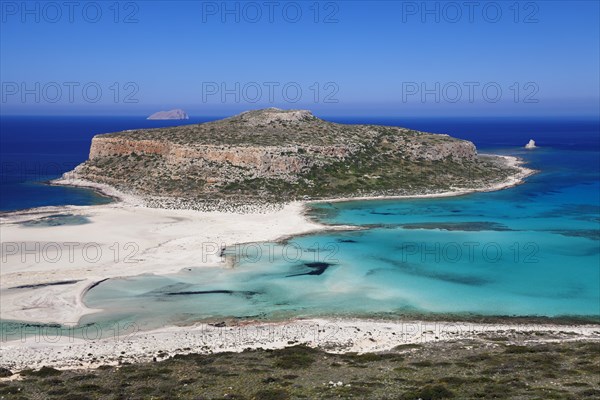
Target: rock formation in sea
pixel 273 156
pixel 172 114
pixel 530 144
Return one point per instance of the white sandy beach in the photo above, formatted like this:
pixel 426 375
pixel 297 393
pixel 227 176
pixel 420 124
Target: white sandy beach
pixel 126 239
pixel 41 347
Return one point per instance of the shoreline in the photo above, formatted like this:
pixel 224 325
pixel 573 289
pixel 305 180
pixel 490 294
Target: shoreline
pixel 511 161
pixel 515 180
pixel 169 241
pixel 336 335
pixel 101 188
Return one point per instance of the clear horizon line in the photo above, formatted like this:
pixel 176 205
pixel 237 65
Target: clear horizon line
pixel 145 116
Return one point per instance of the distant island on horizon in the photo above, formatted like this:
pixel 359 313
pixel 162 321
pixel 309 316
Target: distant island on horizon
pixel 171 114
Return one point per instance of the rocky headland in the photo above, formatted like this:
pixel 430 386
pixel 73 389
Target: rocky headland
pixel 274 156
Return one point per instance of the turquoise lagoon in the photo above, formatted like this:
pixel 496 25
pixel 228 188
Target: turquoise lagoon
pixel 532 250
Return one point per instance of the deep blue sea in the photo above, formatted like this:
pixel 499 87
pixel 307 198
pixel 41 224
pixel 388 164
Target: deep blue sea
pixel 34 150
pixel 532 250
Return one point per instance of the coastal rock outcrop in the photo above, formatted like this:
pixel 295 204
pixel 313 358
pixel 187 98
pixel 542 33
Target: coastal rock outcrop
pixel 530 144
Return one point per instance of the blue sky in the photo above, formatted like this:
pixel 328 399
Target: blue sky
pixel 346 58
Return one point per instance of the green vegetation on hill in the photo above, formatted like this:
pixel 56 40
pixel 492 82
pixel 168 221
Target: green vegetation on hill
pixel 486 368
pixel 257 128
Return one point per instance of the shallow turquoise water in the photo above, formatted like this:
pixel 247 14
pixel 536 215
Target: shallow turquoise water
pixel 532 250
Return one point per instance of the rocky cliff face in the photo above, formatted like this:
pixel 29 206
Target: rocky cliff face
pixel 266 161
pixel 276 154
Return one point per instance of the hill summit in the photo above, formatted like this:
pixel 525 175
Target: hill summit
pixel 273 115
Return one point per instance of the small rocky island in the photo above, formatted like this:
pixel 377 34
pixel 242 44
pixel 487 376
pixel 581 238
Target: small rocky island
pixel 276 156
pixel 172 114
